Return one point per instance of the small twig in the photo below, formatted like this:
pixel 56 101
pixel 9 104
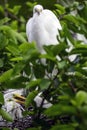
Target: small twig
pixel 13 16
pixel 72 87
pixel 41 105
pixel 5 3
pixel 7 13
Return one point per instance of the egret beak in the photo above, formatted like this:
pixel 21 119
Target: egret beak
pixel 38 11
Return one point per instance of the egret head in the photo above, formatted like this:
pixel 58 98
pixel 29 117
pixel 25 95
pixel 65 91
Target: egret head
pixel 37 9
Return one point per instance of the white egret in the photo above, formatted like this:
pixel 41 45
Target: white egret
pixel 43 27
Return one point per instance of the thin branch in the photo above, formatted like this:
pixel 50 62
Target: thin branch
pixel 5 3
pixel 44 98
pixel 14 16
pixel 72 87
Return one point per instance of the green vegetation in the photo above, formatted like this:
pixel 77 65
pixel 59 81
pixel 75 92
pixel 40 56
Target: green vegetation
pixel 20 62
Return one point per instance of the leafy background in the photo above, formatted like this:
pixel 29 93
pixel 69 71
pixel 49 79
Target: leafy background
pixel 20 62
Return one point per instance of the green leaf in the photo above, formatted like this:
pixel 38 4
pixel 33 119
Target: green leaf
pixel 47 56
pixel 19 37
pixel 28 69
pixel 6 75
pixel 12 34
pixel 82 9
pixel 16 82
pixel 44 83
pixel 17 59
pixel 13 49
pixel 59 109
pixel 36 128
pixel 15 128
pixel 7 129
pixel 1 99
pixel 62 64
pixel 63 127
pixel 18 68
pixel 30 5
pixel 72 18
pixel 1 63
pixel 5 115
pixel 83 110
pixel 16 9
pixel 29 51
pixel 54 50
pixel 80 49
pixel 81 97
pixel 57 49
pixel 3 41
pixel 67 35
pixel 1 9
pixel 4 20
pixel 33 84
pixel 30 98
pixel 26 46
pixel 39 70
pixel 60 8
pixel 14 25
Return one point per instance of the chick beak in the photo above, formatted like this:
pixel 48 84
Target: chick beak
pixel 19 99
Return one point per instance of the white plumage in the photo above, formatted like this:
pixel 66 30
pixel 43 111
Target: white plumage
pixel 10 105
pixel 43 27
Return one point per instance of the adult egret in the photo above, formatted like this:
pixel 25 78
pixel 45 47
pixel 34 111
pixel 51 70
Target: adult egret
pixel 43 27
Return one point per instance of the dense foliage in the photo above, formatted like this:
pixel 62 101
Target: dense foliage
pixel 20 65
